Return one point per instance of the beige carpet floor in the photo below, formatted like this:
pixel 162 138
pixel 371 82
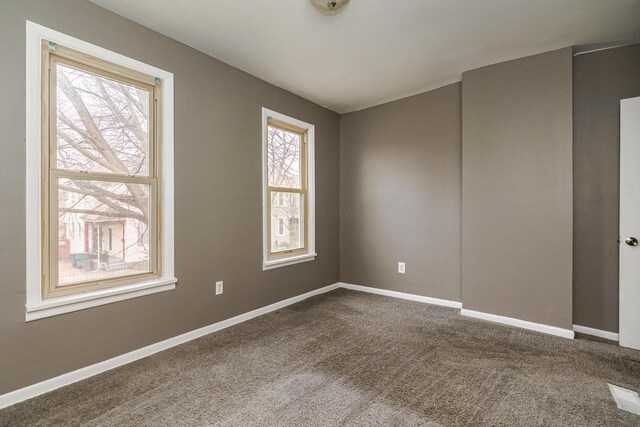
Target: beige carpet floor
pixel 350 358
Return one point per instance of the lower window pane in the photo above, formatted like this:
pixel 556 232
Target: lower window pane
pixel 287 216
pixel 103 230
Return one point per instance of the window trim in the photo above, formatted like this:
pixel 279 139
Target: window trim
pixel 307 253
pixel 36 306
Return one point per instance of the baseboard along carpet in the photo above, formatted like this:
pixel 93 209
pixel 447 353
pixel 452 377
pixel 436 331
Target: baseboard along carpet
pixel 352 358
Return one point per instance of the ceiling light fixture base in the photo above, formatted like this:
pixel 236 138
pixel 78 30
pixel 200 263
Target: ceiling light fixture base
pixel 329 6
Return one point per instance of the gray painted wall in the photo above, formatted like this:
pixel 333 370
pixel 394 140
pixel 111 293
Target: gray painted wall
pixel 217 136
pixel 517 189
pixel 600 81
pixel 400 172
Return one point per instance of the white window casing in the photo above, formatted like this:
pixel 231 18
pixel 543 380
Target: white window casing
pixel 36 307
pixel 309 254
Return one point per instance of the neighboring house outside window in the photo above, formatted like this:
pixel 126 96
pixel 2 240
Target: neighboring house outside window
pixel 280 227
pixel 289 190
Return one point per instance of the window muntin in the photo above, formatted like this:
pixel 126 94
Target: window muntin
pixel 101 145
pixel 286 171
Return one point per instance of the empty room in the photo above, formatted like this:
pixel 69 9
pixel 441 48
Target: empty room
pixel 320 213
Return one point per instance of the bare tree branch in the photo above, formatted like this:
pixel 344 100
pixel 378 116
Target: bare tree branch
pixel 92 135
pixel 131 215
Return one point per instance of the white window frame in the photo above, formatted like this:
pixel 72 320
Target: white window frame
pixel 272 262
pixel 36 307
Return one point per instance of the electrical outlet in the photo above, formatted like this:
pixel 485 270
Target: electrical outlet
pixel 219 287
pixel 401 267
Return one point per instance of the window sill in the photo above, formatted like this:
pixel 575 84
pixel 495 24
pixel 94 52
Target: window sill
pixel 283 262
pixel 67 304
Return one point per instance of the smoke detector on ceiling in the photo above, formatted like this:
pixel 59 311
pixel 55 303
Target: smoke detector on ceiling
pixel 329 5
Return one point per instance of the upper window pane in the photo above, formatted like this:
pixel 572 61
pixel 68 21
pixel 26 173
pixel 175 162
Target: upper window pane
pixel 102 124
pixel 284 148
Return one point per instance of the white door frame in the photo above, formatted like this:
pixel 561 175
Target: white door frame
pixel 630 223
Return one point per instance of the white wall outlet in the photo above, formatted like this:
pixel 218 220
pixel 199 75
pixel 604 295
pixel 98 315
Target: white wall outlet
pixel 219 287
pixel 401 267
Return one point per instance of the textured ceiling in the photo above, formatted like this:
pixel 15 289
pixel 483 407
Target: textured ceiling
pixel 374 51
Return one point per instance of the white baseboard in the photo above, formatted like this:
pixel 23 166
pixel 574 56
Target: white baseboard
pixel 532 326
pixel 86 372
pixel 539 327
pixel 596 332
pixel 402 295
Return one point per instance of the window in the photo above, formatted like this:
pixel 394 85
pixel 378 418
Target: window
pixel 100 168
pixel 288 190
pixel 104 166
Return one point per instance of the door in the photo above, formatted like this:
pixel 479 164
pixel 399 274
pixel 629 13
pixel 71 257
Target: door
pixel 630 223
